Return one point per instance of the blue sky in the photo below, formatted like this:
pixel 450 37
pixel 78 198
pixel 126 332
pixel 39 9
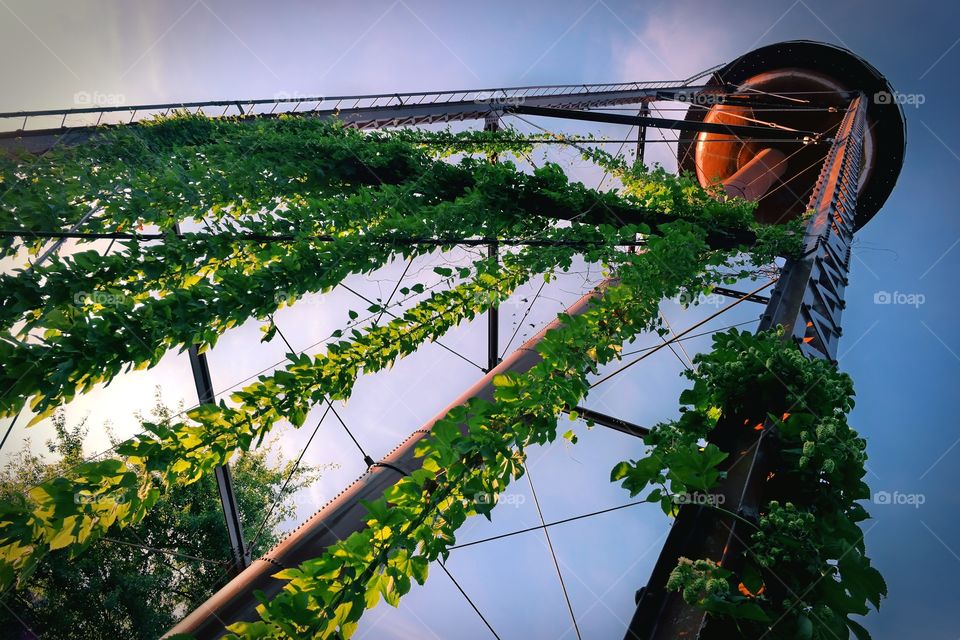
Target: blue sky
pixel 904 359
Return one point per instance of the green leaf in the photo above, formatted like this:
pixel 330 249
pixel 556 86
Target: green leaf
pixel 695 467
pixel 377 509
pixel 668 507
pixel 858 630
pixel 751 578
pixel 503 380
pixel 419 568
pixel 62 539
pixel 388 588
pixel 619 471
pixel 372 594
pixel 297 416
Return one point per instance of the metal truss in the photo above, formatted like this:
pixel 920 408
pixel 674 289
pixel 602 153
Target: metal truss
pixel 38 131
pixel 806 301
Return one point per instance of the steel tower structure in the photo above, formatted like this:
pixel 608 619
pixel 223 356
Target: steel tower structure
pixel 800 126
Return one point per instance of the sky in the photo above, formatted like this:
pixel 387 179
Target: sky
pixel 904 357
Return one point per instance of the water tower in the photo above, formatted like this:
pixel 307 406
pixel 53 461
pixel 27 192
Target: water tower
pixel 802 127
pixel 840 177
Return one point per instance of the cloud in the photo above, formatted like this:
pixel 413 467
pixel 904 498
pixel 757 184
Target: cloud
pixel 688 41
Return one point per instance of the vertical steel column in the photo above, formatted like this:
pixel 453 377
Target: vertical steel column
pixel 807 302
pixel 493 323
pixel 808 299
pixel 491 123
pixel 642 132
pixel 239 553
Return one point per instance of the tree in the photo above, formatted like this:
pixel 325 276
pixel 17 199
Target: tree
pixel 140 581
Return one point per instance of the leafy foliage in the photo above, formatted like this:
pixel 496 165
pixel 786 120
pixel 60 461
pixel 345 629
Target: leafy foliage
pixel 120 491
pixel 476 450
pixel 118 589
pixel 344 202
pixel 706 584
pixel 807 569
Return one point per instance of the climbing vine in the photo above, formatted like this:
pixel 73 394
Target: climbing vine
pixel 88 343
pixel 806 570
pixel 119 490
pixel 95 316
pixel 476 450
pixel 279 208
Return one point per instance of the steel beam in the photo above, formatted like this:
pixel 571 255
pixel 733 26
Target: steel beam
pixel 610 422
pixel 733 293
pixel 742 131
pixel 365 111
pixel 239 554
pixel 492 123
pixel 493 324
pixel 642 133
pixel 806 302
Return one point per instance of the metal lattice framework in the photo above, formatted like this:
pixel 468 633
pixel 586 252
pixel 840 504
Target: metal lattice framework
pixel 39 130
pixel 796 304
pixel 807 299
